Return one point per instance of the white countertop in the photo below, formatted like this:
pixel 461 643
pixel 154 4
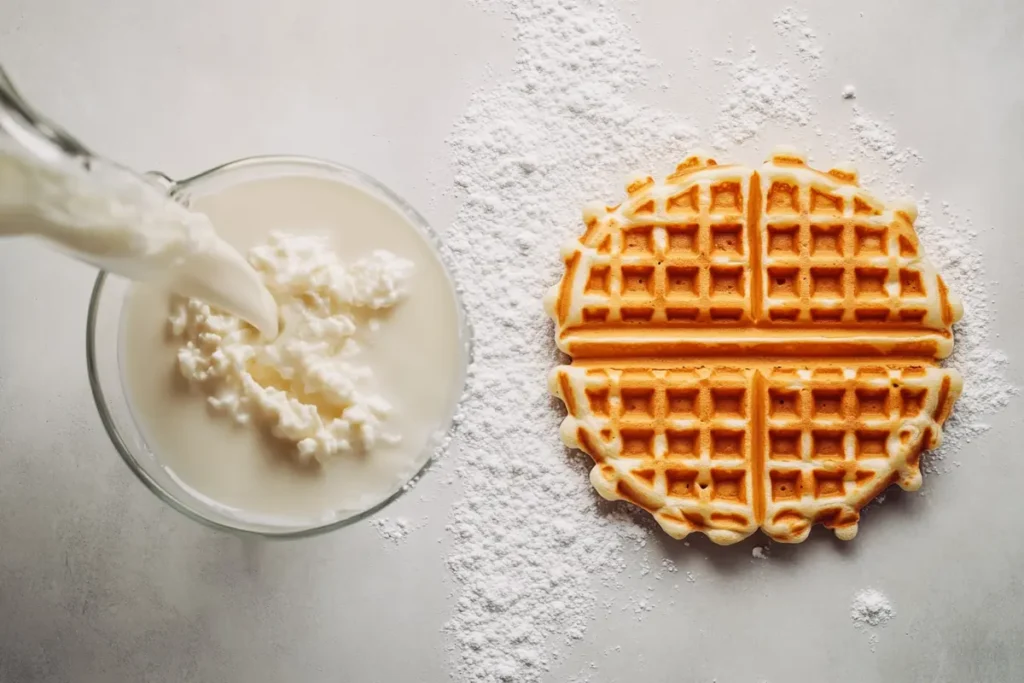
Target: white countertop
pixel 101 582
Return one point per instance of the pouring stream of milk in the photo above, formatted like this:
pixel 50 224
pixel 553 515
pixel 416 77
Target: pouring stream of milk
pixel 110 217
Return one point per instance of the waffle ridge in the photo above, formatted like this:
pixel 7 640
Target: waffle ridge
pixel 752 348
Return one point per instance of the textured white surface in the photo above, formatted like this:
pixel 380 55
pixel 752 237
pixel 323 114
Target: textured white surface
pixel 100 582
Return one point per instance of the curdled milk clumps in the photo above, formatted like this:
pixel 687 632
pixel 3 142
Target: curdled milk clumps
pixel 308 386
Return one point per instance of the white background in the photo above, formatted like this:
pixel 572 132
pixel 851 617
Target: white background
pixel 100 582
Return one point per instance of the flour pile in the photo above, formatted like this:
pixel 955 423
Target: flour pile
pixel 870 607
pixel 530 541
pixel 308 385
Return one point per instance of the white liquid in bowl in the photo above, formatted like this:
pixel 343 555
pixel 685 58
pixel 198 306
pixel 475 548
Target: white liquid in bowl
pixel 417 356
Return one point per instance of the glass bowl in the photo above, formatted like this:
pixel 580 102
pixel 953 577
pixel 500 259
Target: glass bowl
pixel 103 349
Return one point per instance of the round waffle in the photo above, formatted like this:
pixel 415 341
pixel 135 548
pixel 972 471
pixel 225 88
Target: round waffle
pixel 752 348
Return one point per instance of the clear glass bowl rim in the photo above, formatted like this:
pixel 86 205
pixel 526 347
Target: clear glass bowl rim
pixel 176 187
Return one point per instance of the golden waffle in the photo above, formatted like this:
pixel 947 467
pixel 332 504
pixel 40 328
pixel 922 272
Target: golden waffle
pixel 752 348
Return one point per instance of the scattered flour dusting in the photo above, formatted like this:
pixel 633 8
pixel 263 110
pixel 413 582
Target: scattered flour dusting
pixel 393 530
pixel 875 139
pixel 759 552
pixel 667 566
pixel 799 34
pixel 950 241
pixel 530 541
pixel 308 386
pixel 756 95
pixel 760 96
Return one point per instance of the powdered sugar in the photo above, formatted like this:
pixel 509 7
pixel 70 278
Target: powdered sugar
pixel 950 240
pixel 798 32
pixel 393 530
pixel 530 539
pixel 758 94
pixel 871 608
pixel 875 139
